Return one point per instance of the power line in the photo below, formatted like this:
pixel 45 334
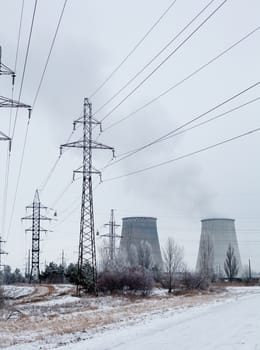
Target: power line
pixel 18 179
pixel 8 155
pixel 16 114
pixel 36 96
pixel 19 36
pixel 153 59
pixel 54 167
pixel 214 118
pixel 182 131
pixel 6 183
pixel 74 209
pixel 164 61
pixel 133 49
pixel 25 63
pixel 172 132
pixel 183 156
pixel 75 204
pixel 65 189
pixel 196 71
pixel 50 51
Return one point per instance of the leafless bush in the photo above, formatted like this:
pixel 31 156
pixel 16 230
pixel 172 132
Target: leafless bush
pixel 193 280
pixel 2 298
pixel 135 278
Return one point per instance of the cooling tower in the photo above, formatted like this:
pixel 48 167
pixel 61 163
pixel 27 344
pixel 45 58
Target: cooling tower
pixel 138 229
pixel 218 233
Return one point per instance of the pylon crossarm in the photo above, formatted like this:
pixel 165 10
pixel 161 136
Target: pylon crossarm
pixel 29 217
pixel 9 103
pixel 77 144
pixel 31 229
pixel 31 206
pixel 4 70
pixel 92 172
pixel 97 145
pixel 81 121
pixel 4 137
pixel 45 218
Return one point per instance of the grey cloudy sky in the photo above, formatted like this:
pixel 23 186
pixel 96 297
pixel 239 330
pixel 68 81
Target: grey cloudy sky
pixel 93 39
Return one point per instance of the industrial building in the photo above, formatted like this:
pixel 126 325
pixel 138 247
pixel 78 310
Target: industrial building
pixel 138 229
pixel 218 233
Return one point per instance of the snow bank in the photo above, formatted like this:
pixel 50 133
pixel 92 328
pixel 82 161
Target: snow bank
pixel 15 292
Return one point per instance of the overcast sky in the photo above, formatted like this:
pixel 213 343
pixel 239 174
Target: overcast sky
pixel 93 38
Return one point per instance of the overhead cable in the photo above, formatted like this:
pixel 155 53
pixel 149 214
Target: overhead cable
pixel 25 64
pixel 42 187
pixel 133 49
pixel 49 54
pixel 164 60
pixel 8 151
pixel 196 71
pixel 187 155
pixel 18 179
pixel 172 132
pixel 28 123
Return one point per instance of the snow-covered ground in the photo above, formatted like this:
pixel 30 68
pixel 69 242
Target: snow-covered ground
pixel 15 292
pixel 232 325
pixel 222 321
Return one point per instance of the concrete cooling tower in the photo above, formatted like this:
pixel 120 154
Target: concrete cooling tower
pixel 219 233
pixel 138 229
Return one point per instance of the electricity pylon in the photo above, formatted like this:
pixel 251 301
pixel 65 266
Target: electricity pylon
pixel 6 102
pixel 36 217
pixel 87 265
pixel 2 252
pixel 112 236
pixel 4 70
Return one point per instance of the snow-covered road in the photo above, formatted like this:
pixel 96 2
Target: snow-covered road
pixel 232 325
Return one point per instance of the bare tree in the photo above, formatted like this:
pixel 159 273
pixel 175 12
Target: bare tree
pixel 206 259
pixel 133 255
pixel 230 265
pixel 173 261
pixel 104 261
pixel 2 298
pixel 145 255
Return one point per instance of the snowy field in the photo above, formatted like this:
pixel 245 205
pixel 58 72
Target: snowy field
pixel 58 320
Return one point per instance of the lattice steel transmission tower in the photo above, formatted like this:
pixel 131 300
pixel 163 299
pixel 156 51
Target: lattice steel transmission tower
pixel 6 102
pixel 2 252
pixel 87 265
pixel 36 217
pixel 112 236
pixel 4 70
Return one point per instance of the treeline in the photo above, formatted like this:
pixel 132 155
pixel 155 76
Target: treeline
pixel 9 277
pixel 135 270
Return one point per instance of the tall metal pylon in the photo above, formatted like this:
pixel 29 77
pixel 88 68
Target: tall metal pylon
pixel 36 217
pixel 6 102
pixel 4 70
pixel 87 265
pixel 112 236
pixel 2 252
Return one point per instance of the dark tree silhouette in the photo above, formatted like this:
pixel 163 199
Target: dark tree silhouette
pixel 173 262
pixel 230 265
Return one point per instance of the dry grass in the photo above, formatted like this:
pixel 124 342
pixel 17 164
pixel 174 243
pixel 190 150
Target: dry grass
pixel 38 321
pixel 89 314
